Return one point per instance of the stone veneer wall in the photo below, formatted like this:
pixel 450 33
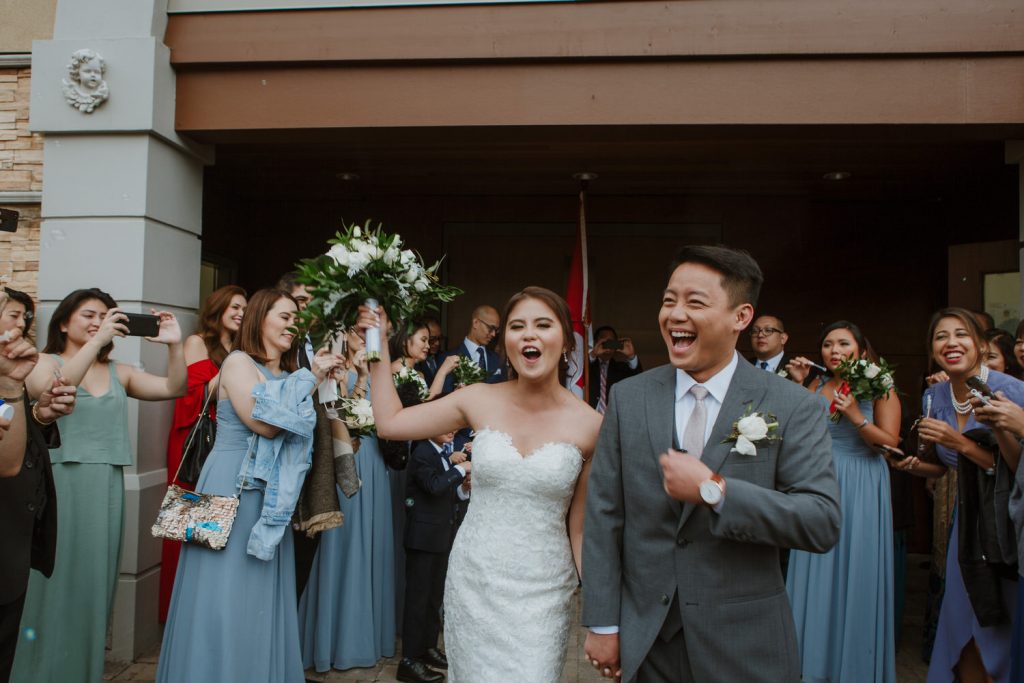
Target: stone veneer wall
pixel 21 170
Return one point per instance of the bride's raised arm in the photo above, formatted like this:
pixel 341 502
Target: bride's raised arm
pixel 428 419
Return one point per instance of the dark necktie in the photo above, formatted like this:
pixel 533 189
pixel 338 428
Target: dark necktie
pixel 483 358
pixel 764 365
pixel 303 358
pixel 446 453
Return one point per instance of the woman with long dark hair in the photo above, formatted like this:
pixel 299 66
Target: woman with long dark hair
pixel 973 637
pixel 219 320
pixel 70 610
pixel 232 615
pixel 843 600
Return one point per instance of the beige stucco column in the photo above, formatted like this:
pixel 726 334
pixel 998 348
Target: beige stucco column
pixel 121 210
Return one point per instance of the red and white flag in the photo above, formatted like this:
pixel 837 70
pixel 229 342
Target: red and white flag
pixel 577 295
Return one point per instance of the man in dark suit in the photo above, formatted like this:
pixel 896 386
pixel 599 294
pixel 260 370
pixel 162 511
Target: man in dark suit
pixel 433 487
pixel 435 354
pixel 612 359
pixel 482 330
pixel 768 337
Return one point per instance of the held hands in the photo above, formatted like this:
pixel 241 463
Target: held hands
pixel 602 652
pixel 683 474
pixel 1000 413
pixel 56 402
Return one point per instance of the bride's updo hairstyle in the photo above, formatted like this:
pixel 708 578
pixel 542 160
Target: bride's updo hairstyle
pixel 560 309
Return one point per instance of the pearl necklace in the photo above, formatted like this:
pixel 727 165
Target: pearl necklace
pixel 965 407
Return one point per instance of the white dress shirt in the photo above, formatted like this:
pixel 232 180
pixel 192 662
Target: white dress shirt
pixel 717 386
pixel 463 494
pixel 773 362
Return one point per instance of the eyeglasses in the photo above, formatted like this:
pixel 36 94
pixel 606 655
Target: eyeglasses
pixel 433 339
pixel 763 331
pixel 493 329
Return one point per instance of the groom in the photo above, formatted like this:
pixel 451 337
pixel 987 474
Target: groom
pixel 681 578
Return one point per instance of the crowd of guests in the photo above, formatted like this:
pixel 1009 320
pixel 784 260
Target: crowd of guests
pixel 288 594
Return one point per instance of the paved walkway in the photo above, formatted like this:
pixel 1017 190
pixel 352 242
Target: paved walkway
pixel 909 668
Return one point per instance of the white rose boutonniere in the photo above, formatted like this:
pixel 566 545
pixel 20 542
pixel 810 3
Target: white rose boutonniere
pixel 782 373
pixel 753 430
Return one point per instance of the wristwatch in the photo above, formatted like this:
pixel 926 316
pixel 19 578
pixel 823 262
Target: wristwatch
pixel 712 490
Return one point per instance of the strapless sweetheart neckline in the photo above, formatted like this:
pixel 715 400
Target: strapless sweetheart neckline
pixel 507 438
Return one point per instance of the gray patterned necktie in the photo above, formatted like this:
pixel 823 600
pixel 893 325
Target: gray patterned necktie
pixel 693 436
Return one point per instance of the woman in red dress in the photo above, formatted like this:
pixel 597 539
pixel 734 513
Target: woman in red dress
pixel 219 320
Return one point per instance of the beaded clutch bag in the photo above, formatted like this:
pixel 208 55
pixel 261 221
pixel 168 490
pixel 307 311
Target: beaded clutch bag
pixel 198 518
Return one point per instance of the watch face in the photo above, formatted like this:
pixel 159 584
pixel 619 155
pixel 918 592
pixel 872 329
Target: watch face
pixel 710 492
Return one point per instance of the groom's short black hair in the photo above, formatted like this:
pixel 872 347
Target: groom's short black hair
pixel 741 276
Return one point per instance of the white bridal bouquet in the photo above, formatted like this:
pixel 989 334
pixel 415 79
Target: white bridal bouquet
pixel 357 414
pixel 367 265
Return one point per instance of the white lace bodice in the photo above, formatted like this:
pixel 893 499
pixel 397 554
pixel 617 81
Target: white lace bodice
pixel 511 573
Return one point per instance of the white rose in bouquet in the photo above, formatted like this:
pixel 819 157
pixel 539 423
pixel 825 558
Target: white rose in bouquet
pixel 872 371
pixel 340 255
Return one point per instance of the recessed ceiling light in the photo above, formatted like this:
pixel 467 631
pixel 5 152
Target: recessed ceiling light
pixel 347 176
pixel 584 175
pixel 837 175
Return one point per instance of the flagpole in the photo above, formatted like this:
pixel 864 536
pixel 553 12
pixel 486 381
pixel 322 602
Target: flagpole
pixel 584 179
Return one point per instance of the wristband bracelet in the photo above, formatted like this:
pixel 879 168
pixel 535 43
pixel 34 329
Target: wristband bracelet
pixel 15 399
pixel 39 420
pixel 863 424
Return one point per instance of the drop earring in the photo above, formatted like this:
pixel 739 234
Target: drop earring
pixel 565 357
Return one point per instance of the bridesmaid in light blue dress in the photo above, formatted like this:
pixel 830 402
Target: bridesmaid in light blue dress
pixel 232 616
pixel 842 600
pixel 347 612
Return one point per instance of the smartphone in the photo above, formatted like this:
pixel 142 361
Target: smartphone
pixel 894 452
pixel 612 344
pixel 142 324
pixel 978 384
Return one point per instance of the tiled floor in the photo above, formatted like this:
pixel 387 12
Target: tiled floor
pixel 909 668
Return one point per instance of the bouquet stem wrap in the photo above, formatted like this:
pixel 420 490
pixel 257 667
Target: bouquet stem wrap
pixel 372 335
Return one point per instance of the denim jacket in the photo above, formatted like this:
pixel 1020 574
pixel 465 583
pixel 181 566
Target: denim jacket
pixel 281 463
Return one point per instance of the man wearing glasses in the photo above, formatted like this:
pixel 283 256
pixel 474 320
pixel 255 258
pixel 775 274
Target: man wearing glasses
pixel 482 330
pixel 768 337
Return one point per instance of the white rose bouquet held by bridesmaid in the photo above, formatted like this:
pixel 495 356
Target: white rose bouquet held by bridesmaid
pixel 865 379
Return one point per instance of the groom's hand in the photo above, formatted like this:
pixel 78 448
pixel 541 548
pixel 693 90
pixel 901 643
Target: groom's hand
pixel 603 653
pixel 683 474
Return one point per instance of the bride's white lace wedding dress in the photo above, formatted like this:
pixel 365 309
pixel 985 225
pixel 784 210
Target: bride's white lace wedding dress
pixel 511 574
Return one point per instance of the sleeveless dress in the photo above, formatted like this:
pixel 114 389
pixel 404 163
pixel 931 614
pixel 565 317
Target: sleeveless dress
pixel 186 412
pixel 511 574
pixel 957 623
pixel 232 616
pixel 347 612
pixel 64 625
pixel 843 601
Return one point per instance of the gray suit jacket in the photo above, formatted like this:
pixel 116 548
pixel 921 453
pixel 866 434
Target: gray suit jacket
pixel 642 547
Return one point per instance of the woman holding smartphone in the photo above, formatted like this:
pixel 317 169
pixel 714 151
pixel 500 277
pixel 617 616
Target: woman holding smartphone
pixel 973 639
pixel 68 612
pixel 843 600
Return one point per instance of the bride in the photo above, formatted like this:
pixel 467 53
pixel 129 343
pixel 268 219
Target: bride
pixel 510 574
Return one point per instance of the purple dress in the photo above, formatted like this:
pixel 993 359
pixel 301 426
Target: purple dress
pixel 957 623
